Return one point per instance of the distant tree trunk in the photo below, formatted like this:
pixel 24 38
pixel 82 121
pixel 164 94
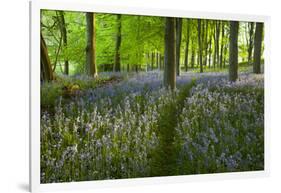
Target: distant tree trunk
pixel 178 43
pixel 214 48
pixel 200 45
pixel 91 67
pixel 218 42
pixel 222 44
pixel 192 56
pixel 160 61
pixel 46 67
pixel 170 54
pixel 187 45
pixel 210 49
pixel 210 53
pixel 224 56
pixel 206 42
pixel 152 60
pixel 257 49
pixel 147 61
pixel 117 62
pixel 64 38
pixel 251 41
pixel 233 50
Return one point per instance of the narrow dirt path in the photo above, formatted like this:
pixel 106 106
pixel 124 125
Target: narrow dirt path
pixel 164 161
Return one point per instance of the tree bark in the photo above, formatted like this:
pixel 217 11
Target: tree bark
pixel 117 62
pixel 170 54
pixel 251 41
pixel 91 67
pixel 218 24
pixel 200 45
pixel 222 44
pixel 257 49
pixel 186 45
pixel 46 73
pixel 233 50
pixel 206 42
pixel 147 61
pixel 178 43
pixel 64 38
pixel 152 60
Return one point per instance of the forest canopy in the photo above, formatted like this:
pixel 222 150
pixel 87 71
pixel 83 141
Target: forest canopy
pixel 141 40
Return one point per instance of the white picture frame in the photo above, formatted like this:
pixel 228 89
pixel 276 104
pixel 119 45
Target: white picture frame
pixel 90 6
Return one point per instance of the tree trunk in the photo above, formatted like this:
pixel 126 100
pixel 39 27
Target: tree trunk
pixel 206 42
pixel 233 50
pixel 178 43
pixel 210 51
pixel 157 60
pixel 147 61
pixel 218 42
pixel 192 56
pixel 251 41
pixel 117 62
pixel 222 44
pixel 46 67
pixel 214 48
pixel 257 49
pixel 170 54
pixel 91 67
pixel 152 60
pixel 200 45
pixel 64 38
pixel 186 45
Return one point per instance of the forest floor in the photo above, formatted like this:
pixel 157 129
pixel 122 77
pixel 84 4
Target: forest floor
pixel 128 125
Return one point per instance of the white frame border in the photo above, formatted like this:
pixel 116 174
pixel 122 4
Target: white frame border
pixel 90 6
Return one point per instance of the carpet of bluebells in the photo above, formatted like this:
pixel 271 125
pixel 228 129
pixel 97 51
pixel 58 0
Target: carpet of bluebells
pixel 114 131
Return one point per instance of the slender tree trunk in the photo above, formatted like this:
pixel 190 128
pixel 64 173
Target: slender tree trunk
pixel 64 38
pixel 91 67
pixel 117 58
pixel 200 45
pixel 257 49
pixel 214 48
pixel 192 56
pixel 46 67
pixel 218 23
pixel 170 54
pixel 147 61
pixel 210 52
pixel 187 44
pixel 159 61
pixel 152 60
pixel 233 50
pixel 210 48
pixel 206 43
pixel 222 44
pixel 251 41
pixel 224 57
pixel 178 43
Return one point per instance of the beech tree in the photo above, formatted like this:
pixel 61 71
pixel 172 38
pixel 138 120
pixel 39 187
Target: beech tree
pixel 63 32
pixel 91 67
pixel 178 43
pixel 170 54
pixel 250 41
pixel 233 50
pixel 46 67
pixel 200 45
pixel 257 48
pixel 187 44
pixel 117 63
